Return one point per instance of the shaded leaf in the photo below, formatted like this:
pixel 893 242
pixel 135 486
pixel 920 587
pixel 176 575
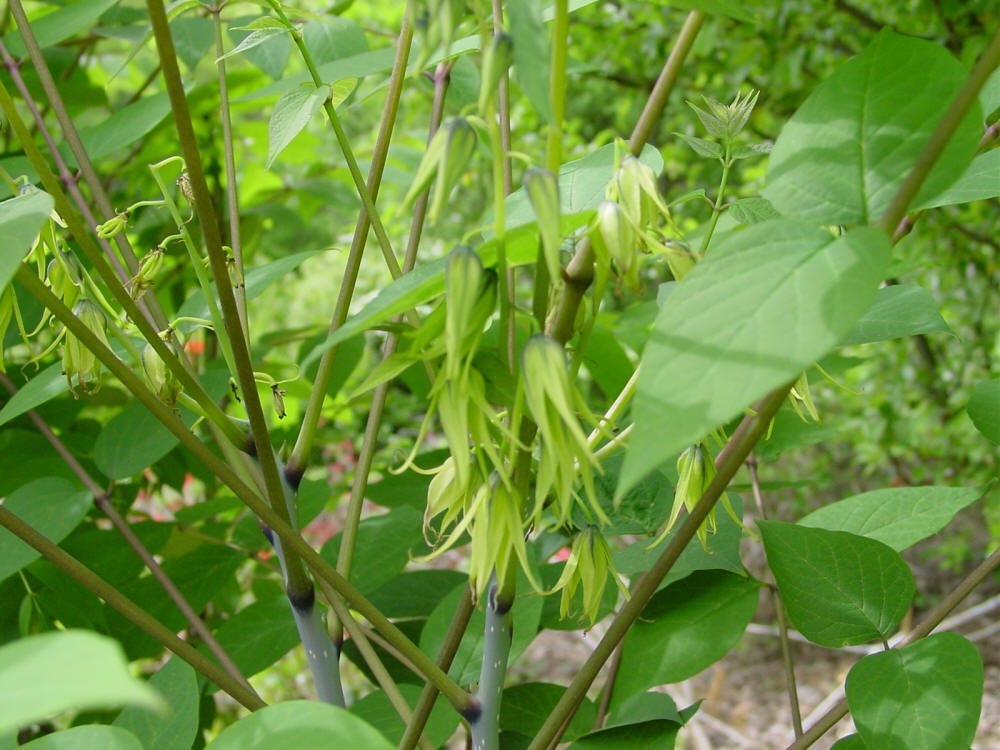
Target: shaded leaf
pixel 898 310
pixel 984 409
pixel 299 724
pixel 21 218
pixel 176 726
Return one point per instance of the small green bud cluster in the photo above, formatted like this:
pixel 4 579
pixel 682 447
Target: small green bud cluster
pixel 565 455
pixel 588 566
pixel 630 220
pixel 149 268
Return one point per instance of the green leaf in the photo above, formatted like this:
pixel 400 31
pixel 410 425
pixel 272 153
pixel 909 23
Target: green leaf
pixel 299 724
pixel 384 546
pixel 193 37
pixel 334 39
pixel 415 593
pixel 21 218
pixel 763 305
pixel 292 112
pixel 378 712
pixel 263 42
pixel 531 53
pixel 984 409
pixel 525 708
pixel 46 385
pixel 850 742
pixel 685 628
pixel 897 311
pixel 259 634
pixel 134 439
pixel 649 735
pixel 644 707
pixel 47 674
pixel 845 152
pixel 840 589
pixel 122 128
pixel 88 737
pixel 898 516
pixel 703 147
pixel 408 488
pixel 751 211
pixel 980 181
pixel 58 25
pixel 989 94
pixel 925 696
pixel 53 507
pixel 174 729
pixel 27 455
pixel 642 510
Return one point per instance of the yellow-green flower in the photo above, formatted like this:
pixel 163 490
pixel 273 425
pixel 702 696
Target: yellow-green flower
pixel 588 566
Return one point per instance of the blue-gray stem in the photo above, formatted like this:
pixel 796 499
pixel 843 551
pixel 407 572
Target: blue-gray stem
pixel 496 650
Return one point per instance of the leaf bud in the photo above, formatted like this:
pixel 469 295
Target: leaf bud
pixel 497 58
pixel 616 235
pixel 113 226
pixel 543 193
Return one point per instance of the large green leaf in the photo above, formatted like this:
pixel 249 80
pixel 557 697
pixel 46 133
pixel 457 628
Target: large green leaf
pixel 984 409
pixel 384 545
pixel 757 310
pixel 88 737
pixel 658 734
pixel 27 456
pixel 58 25
pixel 47 674
pixel 53 507
pixel 845 152
pixel 925 696
pixel 123 128
pixel 299 724
pixel 415 593
pixel 898 310
pixel 526 707
pixel 840 589
pixel 980 180
pixel 176 727
pixel 292 113
pixel 21 218
pixel 46 385
pixel 378 712
pixel 259 634
pixel 898 516
pixel 531 54
pixel 685 628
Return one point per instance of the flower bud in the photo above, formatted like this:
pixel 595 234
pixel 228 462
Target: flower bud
pixel 497 58
pixel 113 226
pixel 802 399
pixel 616 236
pixel 428 166
pixel 149 268
pixel 162 381
pixel 588 566
pixel 463 276
pixel 63 275
pixel 78 360
pixel 7 302
pixel 543 192
pixel 459 145
pixel 638 193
